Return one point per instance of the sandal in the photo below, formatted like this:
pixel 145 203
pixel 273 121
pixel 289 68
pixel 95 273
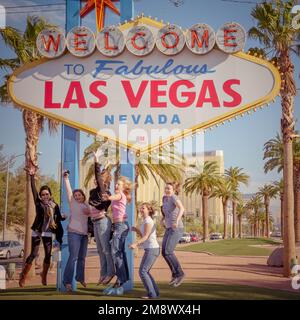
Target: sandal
pixel 100 281
pixel 107 280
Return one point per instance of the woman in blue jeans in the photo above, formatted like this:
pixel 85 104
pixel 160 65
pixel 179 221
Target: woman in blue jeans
pixel 101 222
pixel 150 245
pixel 123 189
pixel 77 235
pixel 172 210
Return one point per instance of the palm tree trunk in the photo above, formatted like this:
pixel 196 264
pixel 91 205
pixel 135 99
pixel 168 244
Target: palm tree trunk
pixel 240 226
pixel 255 224
pixel 281 215
pixel 233 219
pixel 32 130
pixel 287 127
pixel 225 217
pixel 297 203
pixel 267 220
pixel 205 216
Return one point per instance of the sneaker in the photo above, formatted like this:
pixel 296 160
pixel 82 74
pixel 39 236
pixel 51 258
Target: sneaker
pixel 115 291
pixel 107 289
pixel 119 291
pixel 172 281
pixel 110 291
pixel 178 281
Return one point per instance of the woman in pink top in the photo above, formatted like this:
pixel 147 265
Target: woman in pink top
pixel 119 200
pixel 77 235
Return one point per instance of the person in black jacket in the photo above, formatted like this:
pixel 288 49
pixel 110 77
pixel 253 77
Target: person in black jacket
pixel 47 222
pixel 102 223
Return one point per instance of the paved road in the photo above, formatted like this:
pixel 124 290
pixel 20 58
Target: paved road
pixel 17 261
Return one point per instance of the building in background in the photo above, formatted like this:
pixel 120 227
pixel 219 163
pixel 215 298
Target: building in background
pixel 152 190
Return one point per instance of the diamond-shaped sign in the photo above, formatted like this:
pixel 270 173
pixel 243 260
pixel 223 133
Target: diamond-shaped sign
pixel 144 101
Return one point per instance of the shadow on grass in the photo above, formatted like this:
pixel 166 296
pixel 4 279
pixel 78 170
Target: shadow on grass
pixel 187 291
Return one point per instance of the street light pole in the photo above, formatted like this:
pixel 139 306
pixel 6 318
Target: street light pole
pixel 6 200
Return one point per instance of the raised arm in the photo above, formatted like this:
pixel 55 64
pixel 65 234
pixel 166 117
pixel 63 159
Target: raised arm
pixel 33 189
pixel 98 177
pixel 68 187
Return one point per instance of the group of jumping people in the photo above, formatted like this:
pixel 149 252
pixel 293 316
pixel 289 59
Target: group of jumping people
pixel 110 232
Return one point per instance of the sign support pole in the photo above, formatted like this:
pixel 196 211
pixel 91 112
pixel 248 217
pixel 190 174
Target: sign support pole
pixel 70 141
pixel 128 165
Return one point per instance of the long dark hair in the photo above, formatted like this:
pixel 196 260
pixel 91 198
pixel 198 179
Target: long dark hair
pixel 176 187
pixel 45 188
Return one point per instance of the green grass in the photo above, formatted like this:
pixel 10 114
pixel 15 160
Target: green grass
pixel 188 290
pixel 232 247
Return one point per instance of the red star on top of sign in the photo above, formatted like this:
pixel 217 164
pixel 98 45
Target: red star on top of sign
pixel 99 6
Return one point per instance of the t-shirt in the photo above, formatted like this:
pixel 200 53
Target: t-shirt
pixel 119 208
pixel 151 242
pixel 78 220
pixel 171 211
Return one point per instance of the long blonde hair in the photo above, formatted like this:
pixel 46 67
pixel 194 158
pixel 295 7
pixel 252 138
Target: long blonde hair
pixel 127 187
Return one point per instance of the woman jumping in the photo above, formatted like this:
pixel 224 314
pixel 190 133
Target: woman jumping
pixel 47 222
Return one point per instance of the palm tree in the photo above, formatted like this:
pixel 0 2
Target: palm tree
pixel 273 153
pixel 251 220
pixel 267 192
pixel 202 181
pixel 261 223
pixel 274 30
pixel 278 185
pixel 110 158
pixel 296 159
pixel 24 47
pixel 236 177
pixel 241 210
pixel 255 205
pixel 225 191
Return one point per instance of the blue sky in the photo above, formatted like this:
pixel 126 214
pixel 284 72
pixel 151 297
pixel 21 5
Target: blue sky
pixel 241 140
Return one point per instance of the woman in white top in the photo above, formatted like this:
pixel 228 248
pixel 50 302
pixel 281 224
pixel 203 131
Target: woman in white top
pixel 149 243
pixel 77 235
